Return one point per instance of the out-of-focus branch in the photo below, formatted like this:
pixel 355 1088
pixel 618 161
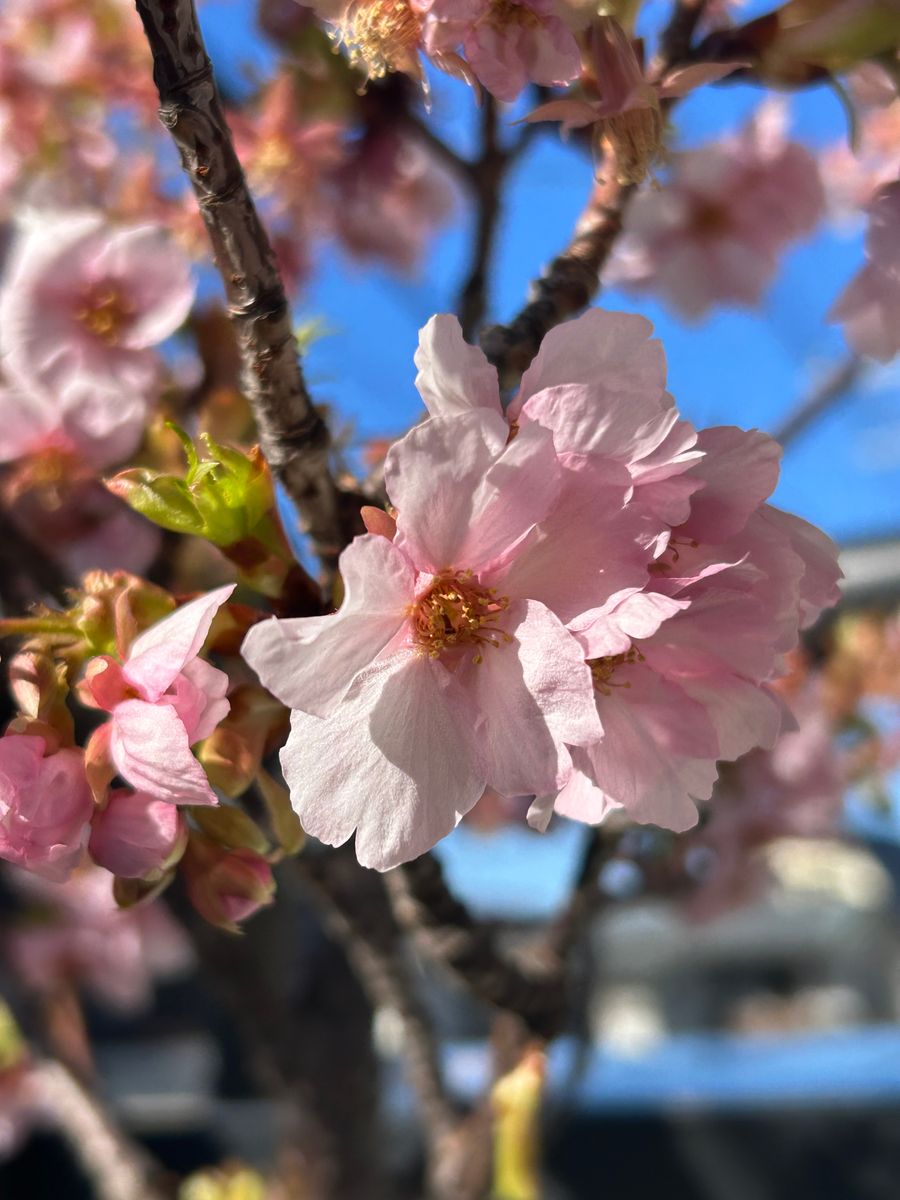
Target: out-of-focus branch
pixel 833 388
pixel 487 177
pixel 355 908
pixel 116 1168
pixel 567 285
pixel 453 937
pixel 675 42
pixel 293 435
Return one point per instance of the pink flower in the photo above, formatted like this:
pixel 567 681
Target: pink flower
pixel 137 836
pixel 683 680
pixel 86 939
pixel 507 43
pixel 82 306
pixel 162 699
pixel 714 233
pixel 391 196
pixel 681 657
pixel 45 806
pixel 869 307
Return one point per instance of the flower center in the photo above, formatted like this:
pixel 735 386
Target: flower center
pixel 105 313
pixel 457 611
pixel 603 669
pixel 380 35
pixel 709 219
pixel 503 13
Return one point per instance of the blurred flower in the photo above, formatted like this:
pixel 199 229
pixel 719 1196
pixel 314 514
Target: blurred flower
pixel 162 699
pixel 391 195
pixel 869 307
pixel 137 836
pixel 78 935
pixel 713 234
pixel 82 305
pixel 45 805
pixel 507 43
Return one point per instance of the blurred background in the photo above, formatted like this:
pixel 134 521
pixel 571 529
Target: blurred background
pixel 734 1029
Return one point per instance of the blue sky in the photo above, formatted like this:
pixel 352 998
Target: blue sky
pixel 739 367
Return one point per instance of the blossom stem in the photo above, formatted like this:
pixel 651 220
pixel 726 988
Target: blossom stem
pixel 293 435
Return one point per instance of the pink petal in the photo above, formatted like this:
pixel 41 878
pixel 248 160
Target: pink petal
pixel 397 762
pixel 573 114
pixel 161 653
pixel 745 715
pixel 453 377
pixel 685 79
pixel 309 662
pixel 608 351
pixel 819 585
pixel 581 799
pixel 628 616
pixel 534 695
pixel 739 470
pixel 198 696
pixel 587 548
pixel 150 748
pixel 464 494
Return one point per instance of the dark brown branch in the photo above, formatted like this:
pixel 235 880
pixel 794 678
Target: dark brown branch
pixel 293 435
pixel 356 910
pixel 675 42
pixel 452 936
pixel 486 178
pixel 832 389
pixel 567 285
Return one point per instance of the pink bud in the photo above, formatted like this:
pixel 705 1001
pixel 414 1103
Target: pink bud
pixel 226 886
pixel 45 805
pixel 137 836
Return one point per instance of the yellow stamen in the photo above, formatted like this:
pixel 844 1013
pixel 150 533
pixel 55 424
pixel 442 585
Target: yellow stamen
pixel 105 312
pixel 603 669
pixel 380 35
pixel 456 611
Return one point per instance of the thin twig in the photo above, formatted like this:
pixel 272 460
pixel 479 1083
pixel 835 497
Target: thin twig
pixel 834 387
pixel 293 435
pixel 116 1168
pixel 451 935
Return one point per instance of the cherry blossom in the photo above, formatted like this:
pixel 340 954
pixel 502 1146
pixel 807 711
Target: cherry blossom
pixel 869 307
pixel 84 303
pixel 714 233
pixel 162 699
pixel 507 43
pixel 45 806
pixel 137 836
pixel 449 668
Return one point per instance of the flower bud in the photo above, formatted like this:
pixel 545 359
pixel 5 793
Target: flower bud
pixel 46 806
pixel 137 836
pixel 226 886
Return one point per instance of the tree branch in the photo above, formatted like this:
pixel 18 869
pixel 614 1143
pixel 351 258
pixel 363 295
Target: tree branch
pixel 355 908
pixel 834 387
pixel 566 286
pixel 451 935
pixel 293 435
pixel 116 1168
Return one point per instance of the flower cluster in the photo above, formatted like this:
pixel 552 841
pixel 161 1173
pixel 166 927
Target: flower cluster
pixel 59 808
pixel 581 599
